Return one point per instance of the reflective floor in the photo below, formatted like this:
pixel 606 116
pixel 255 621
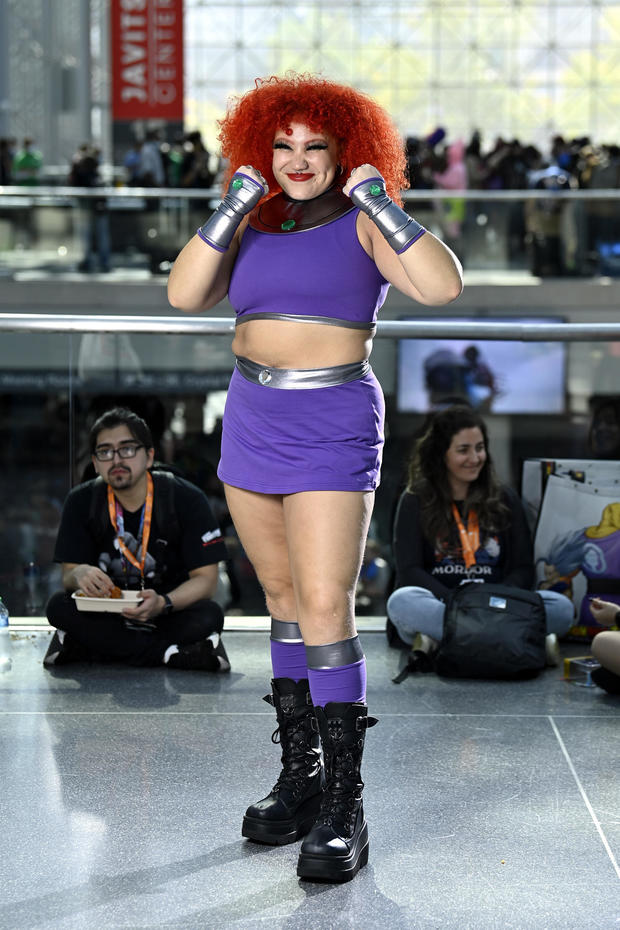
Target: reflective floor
pixel 491 805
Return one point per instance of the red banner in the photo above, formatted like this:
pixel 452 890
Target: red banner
pixel 146 52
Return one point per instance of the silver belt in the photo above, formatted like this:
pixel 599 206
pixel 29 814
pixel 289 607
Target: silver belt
pixel 296 379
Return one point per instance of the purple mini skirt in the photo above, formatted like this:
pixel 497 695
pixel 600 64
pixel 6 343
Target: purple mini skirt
pixel 281 441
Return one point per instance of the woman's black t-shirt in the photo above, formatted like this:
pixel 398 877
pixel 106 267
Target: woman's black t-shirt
pixel 505 557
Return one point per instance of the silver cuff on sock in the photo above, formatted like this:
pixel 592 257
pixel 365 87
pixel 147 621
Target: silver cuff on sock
pixel 285 631
pixel 334 655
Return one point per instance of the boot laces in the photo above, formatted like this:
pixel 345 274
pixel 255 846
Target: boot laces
pixel 343 790
pixel 295 749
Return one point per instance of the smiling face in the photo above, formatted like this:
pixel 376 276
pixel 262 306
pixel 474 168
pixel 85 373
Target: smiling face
pixel 465 460
pixel 305 162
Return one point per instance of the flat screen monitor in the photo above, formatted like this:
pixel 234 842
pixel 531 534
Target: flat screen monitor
pixel 494 376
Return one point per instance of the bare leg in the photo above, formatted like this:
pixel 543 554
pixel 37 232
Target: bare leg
pixel 606 648
pixel 259 521
pixel 307 552
pixel 326 533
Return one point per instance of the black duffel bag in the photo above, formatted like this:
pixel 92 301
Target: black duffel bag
pixel 492 631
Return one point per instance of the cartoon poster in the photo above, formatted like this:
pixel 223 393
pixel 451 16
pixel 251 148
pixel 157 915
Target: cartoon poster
pixel 536 472
pixel 577 545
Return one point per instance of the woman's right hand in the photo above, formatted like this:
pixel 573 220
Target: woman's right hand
pixel 604 612
pixel 247 186
pixel 254 174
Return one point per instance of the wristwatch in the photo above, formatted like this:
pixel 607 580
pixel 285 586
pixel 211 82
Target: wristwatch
pixel 168 605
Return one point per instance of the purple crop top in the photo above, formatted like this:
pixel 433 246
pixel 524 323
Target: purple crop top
pixel 321 272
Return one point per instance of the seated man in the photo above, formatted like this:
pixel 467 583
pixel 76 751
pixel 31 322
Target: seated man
pixel 152 533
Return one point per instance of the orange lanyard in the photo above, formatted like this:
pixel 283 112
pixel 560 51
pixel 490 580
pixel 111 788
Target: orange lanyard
pixel 114 506
pixel 470 535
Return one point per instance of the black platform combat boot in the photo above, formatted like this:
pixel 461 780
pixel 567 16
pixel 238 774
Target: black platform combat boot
pixel 337 846
pixel 292 805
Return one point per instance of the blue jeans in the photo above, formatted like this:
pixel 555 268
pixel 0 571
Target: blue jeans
pixel 415 610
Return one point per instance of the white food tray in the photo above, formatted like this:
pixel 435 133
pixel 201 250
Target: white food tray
pixel 112 605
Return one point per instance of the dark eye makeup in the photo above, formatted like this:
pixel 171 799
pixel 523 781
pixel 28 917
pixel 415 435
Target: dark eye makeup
pixel 318 146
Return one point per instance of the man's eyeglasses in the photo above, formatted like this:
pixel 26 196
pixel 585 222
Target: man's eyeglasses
pixel 124 452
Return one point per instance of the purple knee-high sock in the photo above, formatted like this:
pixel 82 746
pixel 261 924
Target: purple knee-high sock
pixel 288 653
pixel 345 684
pixel 337 672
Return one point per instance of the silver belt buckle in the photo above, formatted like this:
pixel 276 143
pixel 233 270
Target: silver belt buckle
pixel 264 376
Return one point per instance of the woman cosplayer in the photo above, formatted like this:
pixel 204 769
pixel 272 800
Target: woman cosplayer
pixel 305 243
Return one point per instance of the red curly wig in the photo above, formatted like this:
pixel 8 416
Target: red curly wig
pixel 362 129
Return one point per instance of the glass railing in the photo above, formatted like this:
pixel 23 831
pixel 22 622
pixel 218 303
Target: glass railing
pixel 535 233
pixel 58 372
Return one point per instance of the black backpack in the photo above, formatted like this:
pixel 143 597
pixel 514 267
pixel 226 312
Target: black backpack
pixel 492 631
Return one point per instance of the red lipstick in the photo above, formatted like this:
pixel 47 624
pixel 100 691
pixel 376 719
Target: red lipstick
pixel 299 176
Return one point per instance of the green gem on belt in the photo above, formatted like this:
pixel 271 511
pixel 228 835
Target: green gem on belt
pixel 288 224
pixel 237 183
pixel 375 190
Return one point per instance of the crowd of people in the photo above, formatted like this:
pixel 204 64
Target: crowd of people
pixel 434 161
pixel 183 163
pixel 554 238
pixel 151 161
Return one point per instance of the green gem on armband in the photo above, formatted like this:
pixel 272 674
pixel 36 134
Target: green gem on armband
pixel 375 190
pixel 288 224
pixel 237 183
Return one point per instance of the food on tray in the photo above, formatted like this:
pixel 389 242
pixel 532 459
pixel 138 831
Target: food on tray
pixel 115 593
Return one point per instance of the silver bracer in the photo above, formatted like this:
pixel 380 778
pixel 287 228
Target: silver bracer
pixel 399 229
pixel 241 197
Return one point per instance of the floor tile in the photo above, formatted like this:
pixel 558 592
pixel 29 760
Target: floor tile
pixel 491 805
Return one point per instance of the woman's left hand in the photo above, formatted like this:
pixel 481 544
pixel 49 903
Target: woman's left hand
pixel 362 173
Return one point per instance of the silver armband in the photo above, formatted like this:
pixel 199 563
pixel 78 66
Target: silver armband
pixel 399 229
pixel 242 196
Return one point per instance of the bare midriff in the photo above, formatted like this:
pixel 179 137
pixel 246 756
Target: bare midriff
pixel 288 344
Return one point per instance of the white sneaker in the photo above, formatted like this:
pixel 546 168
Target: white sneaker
pixel 424 643
pixel 552 650
pixel 219 651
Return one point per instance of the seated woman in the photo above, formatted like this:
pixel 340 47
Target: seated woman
pixel 606 646
pixel 456 524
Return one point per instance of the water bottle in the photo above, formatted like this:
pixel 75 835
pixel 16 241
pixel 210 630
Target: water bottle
pixel 5 639
pixel 33 601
